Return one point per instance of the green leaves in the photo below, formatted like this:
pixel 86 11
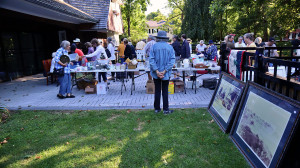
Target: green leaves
pixel 198 24
pixel 134 19
pixel 261 17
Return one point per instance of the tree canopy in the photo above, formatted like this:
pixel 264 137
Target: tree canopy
pixel 261 17
pixel 134 19
pixel 197 22
pixel 213 19
pixel 153 15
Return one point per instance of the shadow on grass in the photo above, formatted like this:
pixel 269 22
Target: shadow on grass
pixel 116 139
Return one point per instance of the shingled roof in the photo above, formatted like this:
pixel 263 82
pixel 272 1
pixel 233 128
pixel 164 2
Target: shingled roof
pixel 65 8
pixel 155 23
pixel 99 9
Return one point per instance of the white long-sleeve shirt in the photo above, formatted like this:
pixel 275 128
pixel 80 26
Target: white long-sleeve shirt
pixel 111 49
pixel 98 52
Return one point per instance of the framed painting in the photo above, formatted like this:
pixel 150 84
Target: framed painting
pixel 225 100
pixel 264 125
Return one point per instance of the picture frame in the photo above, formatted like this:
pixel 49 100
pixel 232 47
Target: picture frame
pixel 225 100
pixel 264 125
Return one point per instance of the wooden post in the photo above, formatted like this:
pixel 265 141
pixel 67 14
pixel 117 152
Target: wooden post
pixel 259 67
pixel 223 57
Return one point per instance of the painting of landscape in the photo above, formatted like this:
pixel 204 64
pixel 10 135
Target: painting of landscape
pixel 259 131
pixel 225 99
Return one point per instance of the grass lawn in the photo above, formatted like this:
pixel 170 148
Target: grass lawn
pixel 116 138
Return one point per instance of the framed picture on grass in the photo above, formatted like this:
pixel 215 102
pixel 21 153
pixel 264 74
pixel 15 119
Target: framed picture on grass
pixel 225 100
pixel 264 125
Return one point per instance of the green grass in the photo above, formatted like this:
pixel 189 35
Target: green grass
pixel 116 139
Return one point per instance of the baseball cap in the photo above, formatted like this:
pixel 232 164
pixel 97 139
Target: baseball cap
pixel 271 39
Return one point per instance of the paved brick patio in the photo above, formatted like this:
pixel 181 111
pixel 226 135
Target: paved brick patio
pixel 32 93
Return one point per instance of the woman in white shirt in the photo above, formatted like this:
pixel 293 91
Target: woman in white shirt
pixel 240 43
pixel 200 47
pixel 99 50
pixel 111 49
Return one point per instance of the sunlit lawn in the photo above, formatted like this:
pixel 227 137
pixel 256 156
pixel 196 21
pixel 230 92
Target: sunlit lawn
pixel 114 138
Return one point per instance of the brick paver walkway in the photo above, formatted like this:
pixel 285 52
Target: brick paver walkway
pixel 32 93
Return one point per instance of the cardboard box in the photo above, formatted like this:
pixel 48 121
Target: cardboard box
pixel 101 88
pixel 171 87
pixel 91 89
pixel 179 86
pixel 150 87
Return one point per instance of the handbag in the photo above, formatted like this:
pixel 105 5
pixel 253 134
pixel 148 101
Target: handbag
pixel 59 72
pixel 108 53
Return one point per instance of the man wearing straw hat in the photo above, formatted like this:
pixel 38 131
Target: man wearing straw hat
pixel 161 59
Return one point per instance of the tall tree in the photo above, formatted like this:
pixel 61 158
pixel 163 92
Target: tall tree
pixel 198 23
pixel 262 17
pixel 134 9
pixel 176 16
pixel 153 15
pixel 177 5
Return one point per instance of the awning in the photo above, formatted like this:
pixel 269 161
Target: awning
pixel 49 9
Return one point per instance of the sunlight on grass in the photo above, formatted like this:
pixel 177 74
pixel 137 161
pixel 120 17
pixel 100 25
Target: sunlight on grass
pixel 142 135
pixel 4 158
pixel 106 139
pixel 167 157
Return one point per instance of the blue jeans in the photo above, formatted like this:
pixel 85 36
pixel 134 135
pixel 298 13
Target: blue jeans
pixel 65 84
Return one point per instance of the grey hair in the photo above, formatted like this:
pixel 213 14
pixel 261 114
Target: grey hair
pixel 53 54
pixel 151 37
pixel 249 36
pixel 109 40
pixel 241 37
pixel 88 44
pixel 226 39
pixel 258 40
pixel 64 44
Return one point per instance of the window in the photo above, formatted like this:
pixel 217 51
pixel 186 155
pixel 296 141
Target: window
pixel 62 36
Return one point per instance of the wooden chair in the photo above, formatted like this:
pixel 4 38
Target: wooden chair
pixel 47 74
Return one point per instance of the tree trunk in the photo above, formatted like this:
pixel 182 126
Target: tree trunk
pixel 128 24
pixel 265 23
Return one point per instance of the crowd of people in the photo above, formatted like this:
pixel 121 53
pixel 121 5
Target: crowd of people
pixel 160 54
pixel 101 50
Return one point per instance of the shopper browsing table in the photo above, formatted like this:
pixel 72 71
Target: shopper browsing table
pixel 65 78
pixel 161 59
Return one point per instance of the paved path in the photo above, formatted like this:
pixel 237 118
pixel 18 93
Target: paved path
pixel 32 93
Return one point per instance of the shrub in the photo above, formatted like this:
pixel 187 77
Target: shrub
pixel 4 113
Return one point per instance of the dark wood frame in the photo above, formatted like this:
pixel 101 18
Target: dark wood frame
pixel 289 132
pixel 225 126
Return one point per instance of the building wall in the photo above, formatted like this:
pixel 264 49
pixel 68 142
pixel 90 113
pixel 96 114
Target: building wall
pixel 27 40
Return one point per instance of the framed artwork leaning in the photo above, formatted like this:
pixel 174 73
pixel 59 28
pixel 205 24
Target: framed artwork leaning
pixel 264 125
pixel 225 100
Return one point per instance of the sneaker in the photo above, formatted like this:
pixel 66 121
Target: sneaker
pixel 168 112
pixel 157 111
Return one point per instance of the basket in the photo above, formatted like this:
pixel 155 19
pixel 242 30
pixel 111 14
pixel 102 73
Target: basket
pixel 201 66
pixel 131 66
